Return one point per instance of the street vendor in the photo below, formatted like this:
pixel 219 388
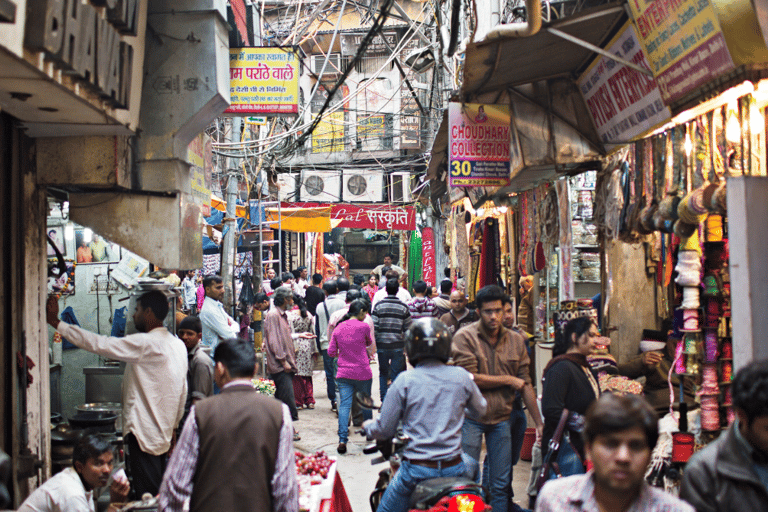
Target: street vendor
pixel 72 489
pixel 154 384
pixel 381 270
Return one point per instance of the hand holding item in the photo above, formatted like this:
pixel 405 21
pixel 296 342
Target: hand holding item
pixel 651 359
pixel 118 491
pixel 307 335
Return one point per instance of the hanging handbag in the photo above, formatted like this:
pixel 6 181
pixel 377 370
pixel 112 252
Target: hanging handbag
pixel 550 460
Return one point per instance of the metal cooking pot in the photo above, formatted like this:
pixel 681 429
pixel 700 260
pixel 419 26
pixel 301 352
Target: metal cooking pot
pixel 105 407
pixel 95 421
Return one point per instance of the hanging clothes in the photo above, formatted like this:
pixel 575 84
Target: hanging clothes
pixel 415 258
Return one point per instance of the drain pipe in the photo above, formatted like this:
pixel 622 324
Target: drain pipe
pixel 529 28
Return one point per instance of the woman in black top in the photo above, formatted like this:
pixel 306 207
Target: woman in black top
pixel 569 384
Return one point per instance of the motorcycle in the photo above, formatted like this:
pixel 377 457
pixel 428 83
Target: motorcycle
pixel 445 494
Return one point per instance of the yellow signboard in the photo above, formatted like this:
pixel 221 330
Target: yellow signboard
pixel 328 136
pixel 263 81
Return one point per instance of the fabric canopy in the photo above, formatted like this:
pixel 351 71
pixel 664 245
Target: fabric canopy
pixel 221 205
pixel 303 220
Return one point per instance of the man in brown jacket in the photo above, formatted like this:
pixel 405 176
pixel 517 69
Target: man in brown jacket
pixel 498 360
pixel 235 453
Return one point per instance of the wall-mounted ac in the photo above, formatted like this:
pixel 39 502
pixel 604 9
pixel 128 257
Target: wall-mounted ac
pixel 363 186
pixel 320 186
pixel 288 189
pixel 399 187
pixel 334 67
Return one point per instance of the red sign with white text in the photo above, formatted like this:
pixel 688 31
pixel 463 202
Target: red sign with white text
pixel 429 273
pixel 385 217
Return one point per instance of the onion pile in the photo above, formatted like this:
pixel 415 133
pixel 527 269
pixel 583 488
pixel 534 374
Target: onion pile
pixel 316 464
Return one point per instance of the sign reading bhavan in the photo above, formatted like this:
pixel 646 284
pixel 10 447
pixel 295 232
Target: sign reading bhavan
pixel 263 81
pixel 479 139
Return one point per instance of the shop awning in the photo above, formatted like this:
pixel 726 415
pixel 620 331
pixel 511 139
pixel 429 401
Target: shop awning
pixel 303 220
pixel 221 205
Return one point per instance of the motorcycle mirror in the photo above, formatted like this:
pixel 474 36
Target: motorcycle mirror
pixel 364 401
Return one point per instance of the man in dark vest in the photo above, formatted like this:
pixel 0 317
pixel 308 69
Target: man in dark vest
pixel 236 450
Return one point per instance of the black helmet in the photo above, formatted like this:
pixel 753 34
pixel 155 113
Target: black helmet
pixel 428 338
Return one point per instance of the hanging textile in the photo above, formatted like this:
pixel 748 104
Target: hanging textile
pixel 429 264
pixel 317 251
pixel 414 257
pixel 462 246
pixel 473 273
pixel 566 240
pixel 212 264
pixel 490 257
pixel 247 297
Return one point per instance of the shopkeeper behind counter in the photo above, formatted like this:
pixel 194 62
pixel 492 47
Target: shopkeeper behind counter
pixel 154 384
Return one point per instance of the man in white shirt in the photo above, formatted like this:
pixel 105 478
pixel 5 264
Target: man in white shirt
pixel 217 324
pixel 402 293
pixel 301 284
pixel 154 384
pixel 71 490
pixel 383 270
pixel 190 292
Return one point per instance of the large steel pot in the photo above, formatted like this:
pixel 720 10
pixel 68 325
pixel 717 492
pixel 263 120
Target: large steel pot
pixel 94 421
pixel 105 408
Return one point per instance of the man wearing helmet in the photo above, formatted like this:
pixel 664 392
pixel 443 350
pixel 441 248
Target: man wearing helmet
pixel 430 401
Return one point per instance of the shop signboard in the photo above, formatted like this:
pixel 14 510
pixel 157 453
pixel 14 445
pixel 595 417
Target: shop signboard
pixel 199 154
pixel 429 273
pixel 683 42
pixel 399 218
pixel 263 81
pixel 478 145
pixel 623 102
pixel 328 136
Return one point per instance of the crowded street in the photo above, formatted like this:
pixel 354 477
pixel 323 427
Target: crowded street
pixel 385 256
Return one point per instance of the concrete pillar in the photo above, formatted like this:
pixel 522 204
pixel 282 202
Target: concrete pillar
pixel 747 231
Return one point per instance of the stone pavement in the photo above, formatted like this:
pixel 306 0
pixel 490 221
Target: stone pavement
pixel 318 428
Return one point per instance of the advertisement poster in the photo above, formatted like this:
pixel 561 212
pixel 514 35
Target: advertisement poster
pixel 428 256
pixel 479 141
pixel 199 154
pixel 683 42
pixel 624 103
pixel 263 81
pixel 328 136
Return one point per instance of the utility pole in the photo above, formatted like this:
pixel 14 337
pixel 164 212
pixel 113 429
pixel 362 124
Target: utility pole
pixel 230 225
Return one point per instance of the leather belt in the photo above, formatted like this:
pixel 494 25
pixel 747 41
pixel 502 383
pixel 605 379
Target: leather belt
pixel 436 464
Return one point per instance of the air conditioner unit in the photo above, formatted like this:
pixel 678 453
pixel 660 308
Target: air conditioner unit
pixel 320 186
pixel 287 183
pixel 334 66
pixel 363 186
pixel 399 187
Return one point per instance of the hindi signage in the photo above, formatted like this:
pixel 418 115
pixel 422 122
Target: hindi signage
pixel 401 218
pixel 263 81
pixel 200 155
pixel 624 103
pixel 683 42
pixel 428 256
pixel 479 141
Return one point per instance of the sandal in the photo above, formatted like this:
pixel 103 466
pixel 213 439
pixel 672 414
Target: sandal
pixel 296 436
pixel 310 406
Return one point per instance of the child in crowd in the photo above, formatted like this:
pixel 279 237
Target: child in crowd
pixel 306 352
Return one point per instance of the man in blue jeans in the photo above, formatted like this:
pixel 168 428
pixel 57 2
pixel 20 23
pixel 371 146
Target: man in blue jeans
pixel 325 309
pixel 391 319
pixel 430 401
pixel 498 360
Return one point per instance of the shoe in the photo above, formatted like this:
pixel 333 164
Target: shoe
pixel 357 423
pixel 296 436
pixel 342 448
pixel 333 407
pixel 310 406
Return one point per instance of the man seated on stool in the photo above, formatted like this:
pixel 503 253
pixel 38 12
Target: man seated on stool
pixel 72 489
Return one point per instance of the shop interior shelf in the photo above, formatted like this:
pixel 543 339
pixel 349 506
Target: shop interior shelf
pixel 585 246
pixel 585 281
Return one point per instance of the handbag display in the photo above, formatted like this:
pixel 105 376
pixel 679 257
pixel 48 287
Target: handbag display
pixel 550 460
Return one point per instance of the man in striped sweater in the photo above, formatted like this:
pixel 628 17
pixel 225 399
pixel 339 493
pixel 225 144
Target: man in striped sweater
pixel 391 319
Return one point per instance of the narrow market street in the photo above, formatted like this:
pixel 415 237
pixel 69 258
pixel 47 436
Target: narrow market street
pixel 318 429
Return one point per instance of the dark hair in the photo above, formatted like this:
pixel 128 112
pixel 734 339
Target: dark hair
pixel 390 256
pixel 296 273
pixel 375 276
pixel 563 342
pixel 330 287
pixel 419 287
pixel 287 276
pixel 299 301
pixel 156 302
pixel 355 307
pixel 447 273
pixel 354 295
pixel 506 300
pixel 300 269
pixel 275 283
pixel 261 297
pixel 209 280
pixel 750 390
pixel 343 284
pixel 488 293
pixel 358 279
pixel 317 278
pixel 191 323
pixel 446 285
pixel 282 294
pixel 613 413
pixel 392 273
pixel 392 286
pixel 237 356
pixel 91 446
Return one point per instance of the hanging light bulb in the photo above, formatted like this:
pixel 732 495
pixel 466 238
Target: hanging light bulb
pixel 688 144
pixel 732 127
pixel 87 235
pixel 69 232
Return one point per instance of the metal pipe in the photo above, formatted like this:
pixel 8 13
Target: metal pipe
pixel 529 28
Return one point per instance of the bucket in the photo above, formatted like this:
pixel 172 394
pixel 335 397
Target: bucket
pixel 528 440
pixel 682 447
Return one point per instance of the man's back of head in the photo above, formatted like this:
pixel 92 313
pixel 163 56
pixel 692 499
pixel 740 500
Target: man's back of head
pixel 343 284
pixel 317 279
pixel 330 288
pixel 419 288
pixel 392 274
pixel 353 295
pixel 446 285
pixel 286 276
pixel 392 286
pixel 237 357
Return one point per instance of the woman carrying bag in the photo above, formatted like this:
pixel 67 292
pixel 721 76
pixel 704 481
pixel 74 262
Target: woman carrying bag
pixel 569 389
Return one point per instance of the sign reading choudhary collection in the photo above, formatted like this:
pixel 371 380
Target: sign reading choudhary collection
pixel 479 145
